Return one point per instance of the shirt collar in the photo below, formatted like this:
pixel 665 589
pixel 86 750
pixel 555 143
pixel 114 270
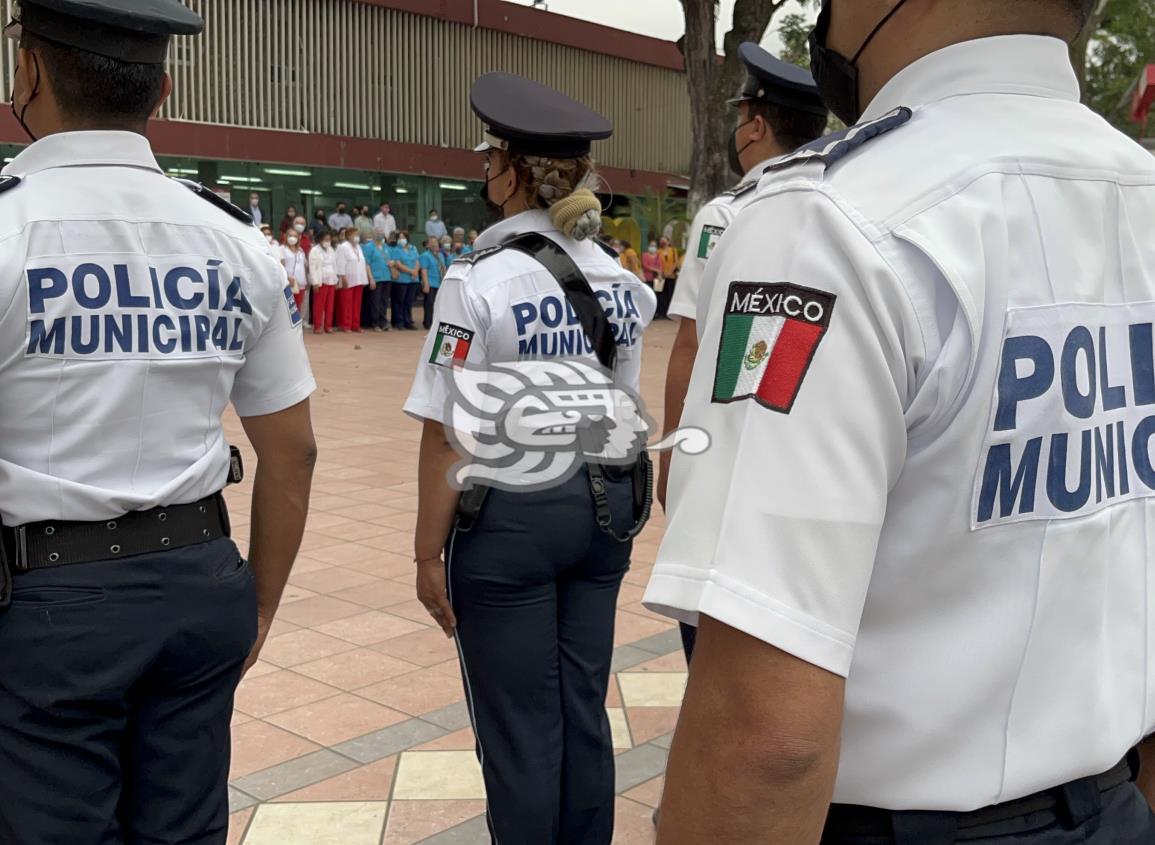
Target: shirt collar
pixel 1031 65
pixel 83 149
pixel 534 220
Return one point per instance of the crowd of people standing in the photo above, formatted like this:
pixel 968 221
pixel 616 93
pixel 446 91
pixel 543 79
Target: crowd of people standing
pixel 658 267
pixel 356 273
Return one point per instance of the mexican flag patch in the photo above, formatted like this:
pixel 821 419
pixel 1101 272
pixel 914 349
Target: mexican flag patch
pixel 769 336
pixel 451 346
pixel 709 240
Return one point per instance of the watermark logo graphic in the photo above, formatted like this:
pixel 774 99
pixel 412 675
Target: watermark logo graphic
pixel 530 425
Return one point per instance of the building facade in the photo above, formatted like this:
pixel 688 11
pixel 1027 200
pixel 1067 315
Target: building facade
pixel 308 102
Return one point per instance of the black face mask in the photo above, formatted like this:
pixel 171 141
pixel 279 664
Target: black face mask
pixel 496 212
pixel 735 153
pixel 19 115
pixel 835 76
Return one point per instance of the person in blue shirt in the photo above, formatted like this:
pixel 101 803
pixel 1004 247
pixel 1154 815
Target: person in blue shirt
pixel 460 247
pixel 432 271
pixel 377 254
pixel 406 265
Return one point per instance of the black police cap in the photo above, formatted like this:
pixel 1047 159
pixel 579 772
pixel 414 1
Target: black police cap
pixel 129 30
pixel 523 116
pixel 774 81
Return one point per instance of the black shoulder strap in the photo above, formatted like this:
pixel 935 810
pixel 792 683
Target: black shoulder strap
pixel 221 203
pixel 577 290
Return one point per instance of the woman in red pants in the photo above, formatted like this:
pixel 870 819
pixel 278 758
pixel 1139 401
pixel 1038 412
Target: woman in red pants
pixel 323 274
pixel 352 277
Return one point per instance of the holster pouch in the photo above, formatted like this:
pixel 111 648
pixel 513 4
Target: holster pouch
pixel 469 507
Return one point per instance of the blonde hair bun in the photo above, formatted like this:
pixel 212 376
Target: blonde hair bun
pixel 578 216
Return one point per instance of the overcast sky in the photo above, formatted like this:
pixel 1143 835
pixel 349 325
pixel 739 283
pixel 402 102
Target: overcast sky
pixel 658 18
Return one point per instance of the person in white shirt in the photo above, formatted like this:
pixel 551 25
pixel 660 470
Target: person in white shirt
pixel 778 110
pixel 352 277
pixel 384 224
pixel 529 582
pixel 296 265
pixel 323 274
pixel 134 309
pixel 918 548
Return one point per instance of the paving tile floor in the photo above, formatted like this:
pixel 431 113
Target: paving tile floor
pixel 352 730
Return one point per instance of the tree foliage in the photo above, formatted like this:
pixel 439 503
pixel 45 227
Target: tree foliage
pixel 1122 43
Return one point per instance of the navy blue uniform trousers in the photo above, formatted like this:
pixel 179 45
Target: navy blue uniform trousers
pixel 1119 816
pixel 534 586
pixel 116 693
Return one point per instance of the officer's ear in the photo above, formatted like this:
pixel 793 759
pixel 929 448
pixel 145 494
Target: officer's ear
pixel 165 93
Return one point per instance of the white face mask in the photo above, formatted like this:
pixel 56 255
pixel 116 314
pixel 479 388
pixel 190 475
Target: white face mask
pixel 300 227
pixel 291 241
pixel 269 238
pixel 653 250
pixel 432 216
pixel 401 242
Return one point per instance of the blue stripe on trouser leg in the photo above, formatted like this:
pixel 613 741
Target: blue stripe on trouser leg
pixel 534 587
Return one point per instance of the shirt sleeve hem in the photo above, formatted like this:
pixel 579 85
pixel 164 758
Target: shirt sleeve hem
pixel 674 594
pixel 422 411
pixel 298 393
pixel 687 312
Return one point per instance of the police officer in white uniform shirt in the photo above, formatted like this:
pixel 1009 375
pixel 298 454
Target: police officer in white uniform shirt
pixel 918 549
pixel 778 109
pixel 133 309
pixel 529 581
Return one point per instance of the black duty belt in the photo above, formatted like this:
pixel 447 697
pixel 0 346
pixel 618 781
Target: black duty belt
pixel 847 820
pixel 42 545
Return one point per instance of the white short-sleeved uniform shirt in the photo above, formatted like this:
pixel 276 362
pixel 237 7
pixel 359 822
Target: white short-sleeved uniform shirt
pixel 131 312
pixel 932 406
pixel 350 263
pixel 710 223
pixel 507 307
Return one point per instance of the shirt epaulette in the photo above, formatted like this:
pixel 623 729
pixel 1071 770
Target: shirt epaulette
pixel 837 146
pixel 478 254
pixel 7 183
pixel 739 190
pixel 219 201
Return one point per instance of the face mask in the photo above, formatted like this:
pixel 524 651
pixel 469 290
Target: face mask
pixel 653 250
pixel 837 78
pixel 269 238
pixel 326 244
pixel 496 210
pixel 356 239
pixel 735 154
pixel 433 217
pixel 19 115
pixel 291 241
pixel 401 242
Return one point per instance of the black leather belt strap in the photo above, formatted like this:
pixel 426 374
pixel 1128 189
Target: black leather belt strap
pixel 42 545
pixel 850 821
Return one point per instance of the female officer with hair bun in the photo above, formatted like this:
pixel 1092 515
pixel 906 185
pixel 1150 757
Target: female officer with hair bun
pixel 529 581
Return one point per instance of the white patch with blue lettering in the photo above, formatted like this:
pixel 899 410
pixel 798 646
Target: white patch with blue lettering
pixel 549 327
pixel 119 307
pixel 1073 418
pixel 291 302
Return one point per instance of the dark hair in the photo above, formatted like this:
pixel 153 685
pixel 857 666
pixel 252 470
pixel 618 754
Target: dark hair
pixel 791 127
pixel 98 89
